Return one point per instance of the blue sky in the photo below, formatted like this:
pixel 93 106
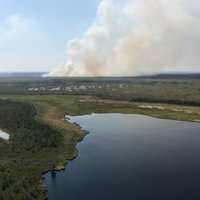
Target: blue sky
pixel 99 37
pixel 34 33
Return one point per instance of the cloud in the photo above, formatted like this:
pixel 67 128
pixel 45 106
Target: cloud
pixel 14 26
pixel 25 44
pixel 137 36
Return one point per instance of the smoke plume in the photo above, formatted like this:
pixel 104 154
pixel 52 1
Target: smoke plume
pixel 137 36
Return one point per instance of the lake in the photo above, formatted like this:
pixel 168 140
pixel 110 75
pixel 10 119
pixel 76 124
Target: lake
pixel 127 157
pixel 4 135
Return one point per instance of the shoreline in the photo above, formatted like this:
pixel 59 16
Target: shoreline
pixel 52 110
pixel 63 167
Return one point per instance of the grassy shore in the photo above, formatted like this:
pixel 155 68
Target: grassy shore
pixel 51 110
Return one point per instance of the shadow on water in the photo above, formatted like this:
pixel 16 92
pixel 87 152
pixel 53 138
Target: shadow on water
pixel 53 174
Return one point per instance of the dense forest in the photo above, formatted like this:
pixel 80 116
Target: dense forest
pixel 31 142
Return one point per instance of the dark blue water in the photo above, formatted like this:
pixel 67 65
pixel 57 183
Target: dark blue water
pixel 131 157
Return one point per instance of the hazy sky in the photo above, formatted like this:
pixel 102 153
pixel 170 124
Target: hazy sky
pixel 99 37
pixel 34 33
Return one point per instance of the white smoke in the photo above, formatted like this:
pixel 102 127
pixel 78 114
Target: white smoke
pixel 137 36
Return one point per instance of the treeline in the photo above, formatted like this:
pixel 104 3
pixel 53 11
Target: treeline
pixel 18 118
pixel 167 101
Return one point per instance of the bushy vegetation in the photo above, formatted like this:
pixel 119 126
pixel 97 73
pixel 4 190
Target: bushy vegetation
pixel 18 119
